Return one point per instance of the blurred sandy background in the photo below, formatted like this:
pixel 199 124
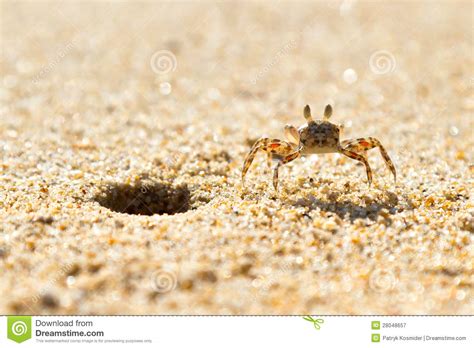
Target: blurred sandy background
pixel 111 110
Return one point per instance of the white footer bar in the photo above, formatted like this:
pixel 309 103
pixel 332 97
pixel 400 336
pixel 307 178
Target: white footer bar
pixel 237 331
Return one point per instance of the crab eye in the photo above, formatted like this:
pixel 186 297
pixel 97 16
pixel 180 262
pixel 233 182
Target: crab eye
pixel 327 112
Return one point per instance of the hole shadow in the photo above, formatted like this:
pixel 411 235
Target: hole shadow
pixel 145 198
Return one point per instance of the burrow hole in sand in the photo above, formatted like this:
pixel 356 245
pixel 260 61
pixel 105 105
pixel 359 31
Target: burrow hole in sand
pixel 145 198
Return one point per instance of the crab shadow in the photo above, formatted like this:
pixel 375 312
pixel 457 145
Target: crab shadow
pixel 346 209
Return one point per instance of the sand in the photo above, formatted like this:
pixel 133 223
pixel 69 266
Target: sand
pixel 124 127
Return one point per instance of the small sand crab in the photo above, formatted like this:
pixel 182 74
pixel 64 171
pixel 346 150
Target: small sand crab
pixel 320 136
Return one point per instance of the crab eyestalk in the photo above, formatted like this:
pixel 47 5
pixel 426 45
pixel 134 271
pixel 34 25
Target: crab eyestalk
pixel 327 112
pixel 307 114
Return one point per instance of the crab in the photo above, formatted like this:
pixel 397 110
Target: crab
pixel 316 137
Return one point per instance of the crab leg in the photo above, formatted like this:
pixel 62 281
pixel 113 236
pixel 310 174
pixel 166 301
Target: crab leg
pixel 361 145
pixel 360 158
pixel 286 159
pixel 271 147
pixel 269 159
pixel 292 134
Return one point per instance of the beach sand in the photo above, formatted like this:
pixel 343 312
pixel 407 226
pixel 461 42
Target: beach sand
pixel 124 127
